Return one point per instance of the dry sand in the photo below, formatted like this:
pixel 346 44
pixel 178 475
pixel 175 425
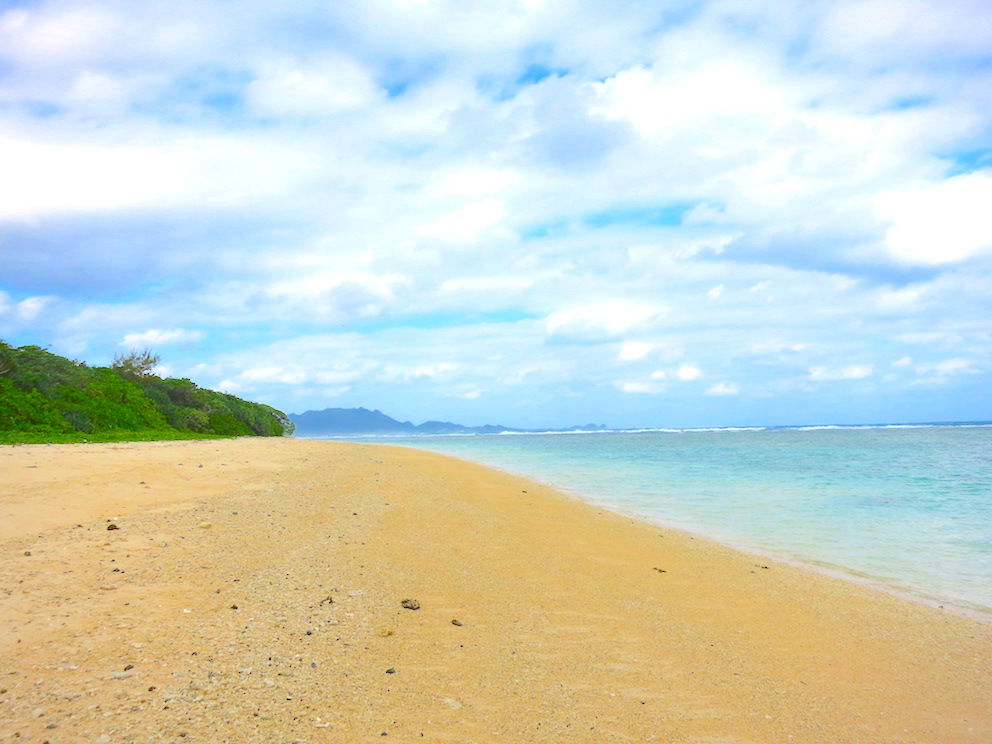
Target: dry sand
pixel 253 590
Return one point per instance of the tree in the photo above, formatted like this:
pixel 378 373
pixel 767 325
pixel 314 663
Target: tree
pixel 136 363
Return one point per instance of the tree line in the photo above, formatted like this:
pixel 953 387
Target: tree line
pixel 48 398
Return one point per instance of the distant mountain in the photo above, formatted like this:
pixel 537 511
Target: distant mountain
pixel 361 421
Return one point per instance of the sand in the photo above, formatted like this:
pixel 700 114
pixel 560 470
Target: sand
pixel 252 593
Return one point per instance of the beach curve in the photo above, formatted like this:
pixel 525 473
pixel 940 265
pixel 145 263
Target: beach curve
pixel 252 591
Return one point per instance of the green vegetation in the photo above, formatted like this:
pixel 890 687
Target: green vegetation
pixel 48 398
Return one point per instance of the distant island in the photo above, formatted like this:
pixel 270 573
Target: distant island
pixel 342 422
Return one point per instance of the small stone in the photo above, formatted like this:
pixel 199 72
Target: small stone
pixel 112 526
pixel 457 622
pixel 452 703
pixel 37 712
pixel 27 552
pixel 129 667
pixel 391 670
pixel 410 604
pixel 205 525
pixel 234 607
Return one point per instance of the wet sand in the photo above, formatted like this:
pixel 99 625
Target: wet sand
pixel 252 593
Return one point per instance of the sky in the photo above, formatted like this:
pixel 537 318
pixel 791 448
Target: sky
pixel 533 213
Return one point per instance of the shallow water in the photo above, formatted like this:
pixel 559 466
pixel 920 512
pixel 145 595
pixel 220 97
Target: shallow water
pixel 910 507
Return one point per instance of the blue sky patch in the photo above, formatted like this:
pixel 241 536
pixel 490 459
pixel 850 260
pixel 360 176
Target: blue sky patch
pixel 666 216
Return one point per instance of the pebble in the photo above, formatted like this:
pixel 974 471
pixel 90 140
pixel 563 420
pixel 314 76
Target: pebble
pixel 112 526
pixel 457 622
pixel 205 525
pixel 410 604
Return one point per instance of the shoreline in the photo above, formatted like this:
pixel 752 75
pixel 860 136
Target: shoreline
pixel 916 596
pixel 252 592
pixel 897 587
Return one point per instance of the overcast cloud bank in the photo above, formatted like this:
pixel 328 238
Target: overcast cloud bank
pixel 537 213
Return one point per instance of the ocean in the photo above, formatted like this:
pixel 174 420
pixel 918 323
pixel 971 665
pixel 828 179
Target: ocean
pixel 908 507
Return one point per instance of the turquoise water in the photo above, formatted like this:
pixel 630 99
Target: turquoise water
pixel 910 507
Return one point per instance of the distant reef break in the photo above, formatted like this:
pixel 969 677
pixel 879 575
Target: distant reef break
pixel 363 422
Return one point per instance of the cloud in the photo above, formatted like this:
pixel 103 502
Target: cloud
pixel 469 221
pixel 27 309
pixel 324 87
pixel 601 322
pixel 948 367
pixel 939 223
pixel 687 373
pixel 633 351
pixel 274 373
pixel 654 385
pixel 723 388
pixel 157 337
pixel 335 296
pixel 558 200
pixel 849 372
pixel 439 371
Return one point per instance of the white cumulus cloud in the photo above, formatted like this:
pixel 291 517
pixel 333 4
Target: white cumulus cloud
pixel 849 372
pixel 941 222
pixel 955 366
pixel 159 337
pixel 633 351
pixel 602 322
pixel 723 388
